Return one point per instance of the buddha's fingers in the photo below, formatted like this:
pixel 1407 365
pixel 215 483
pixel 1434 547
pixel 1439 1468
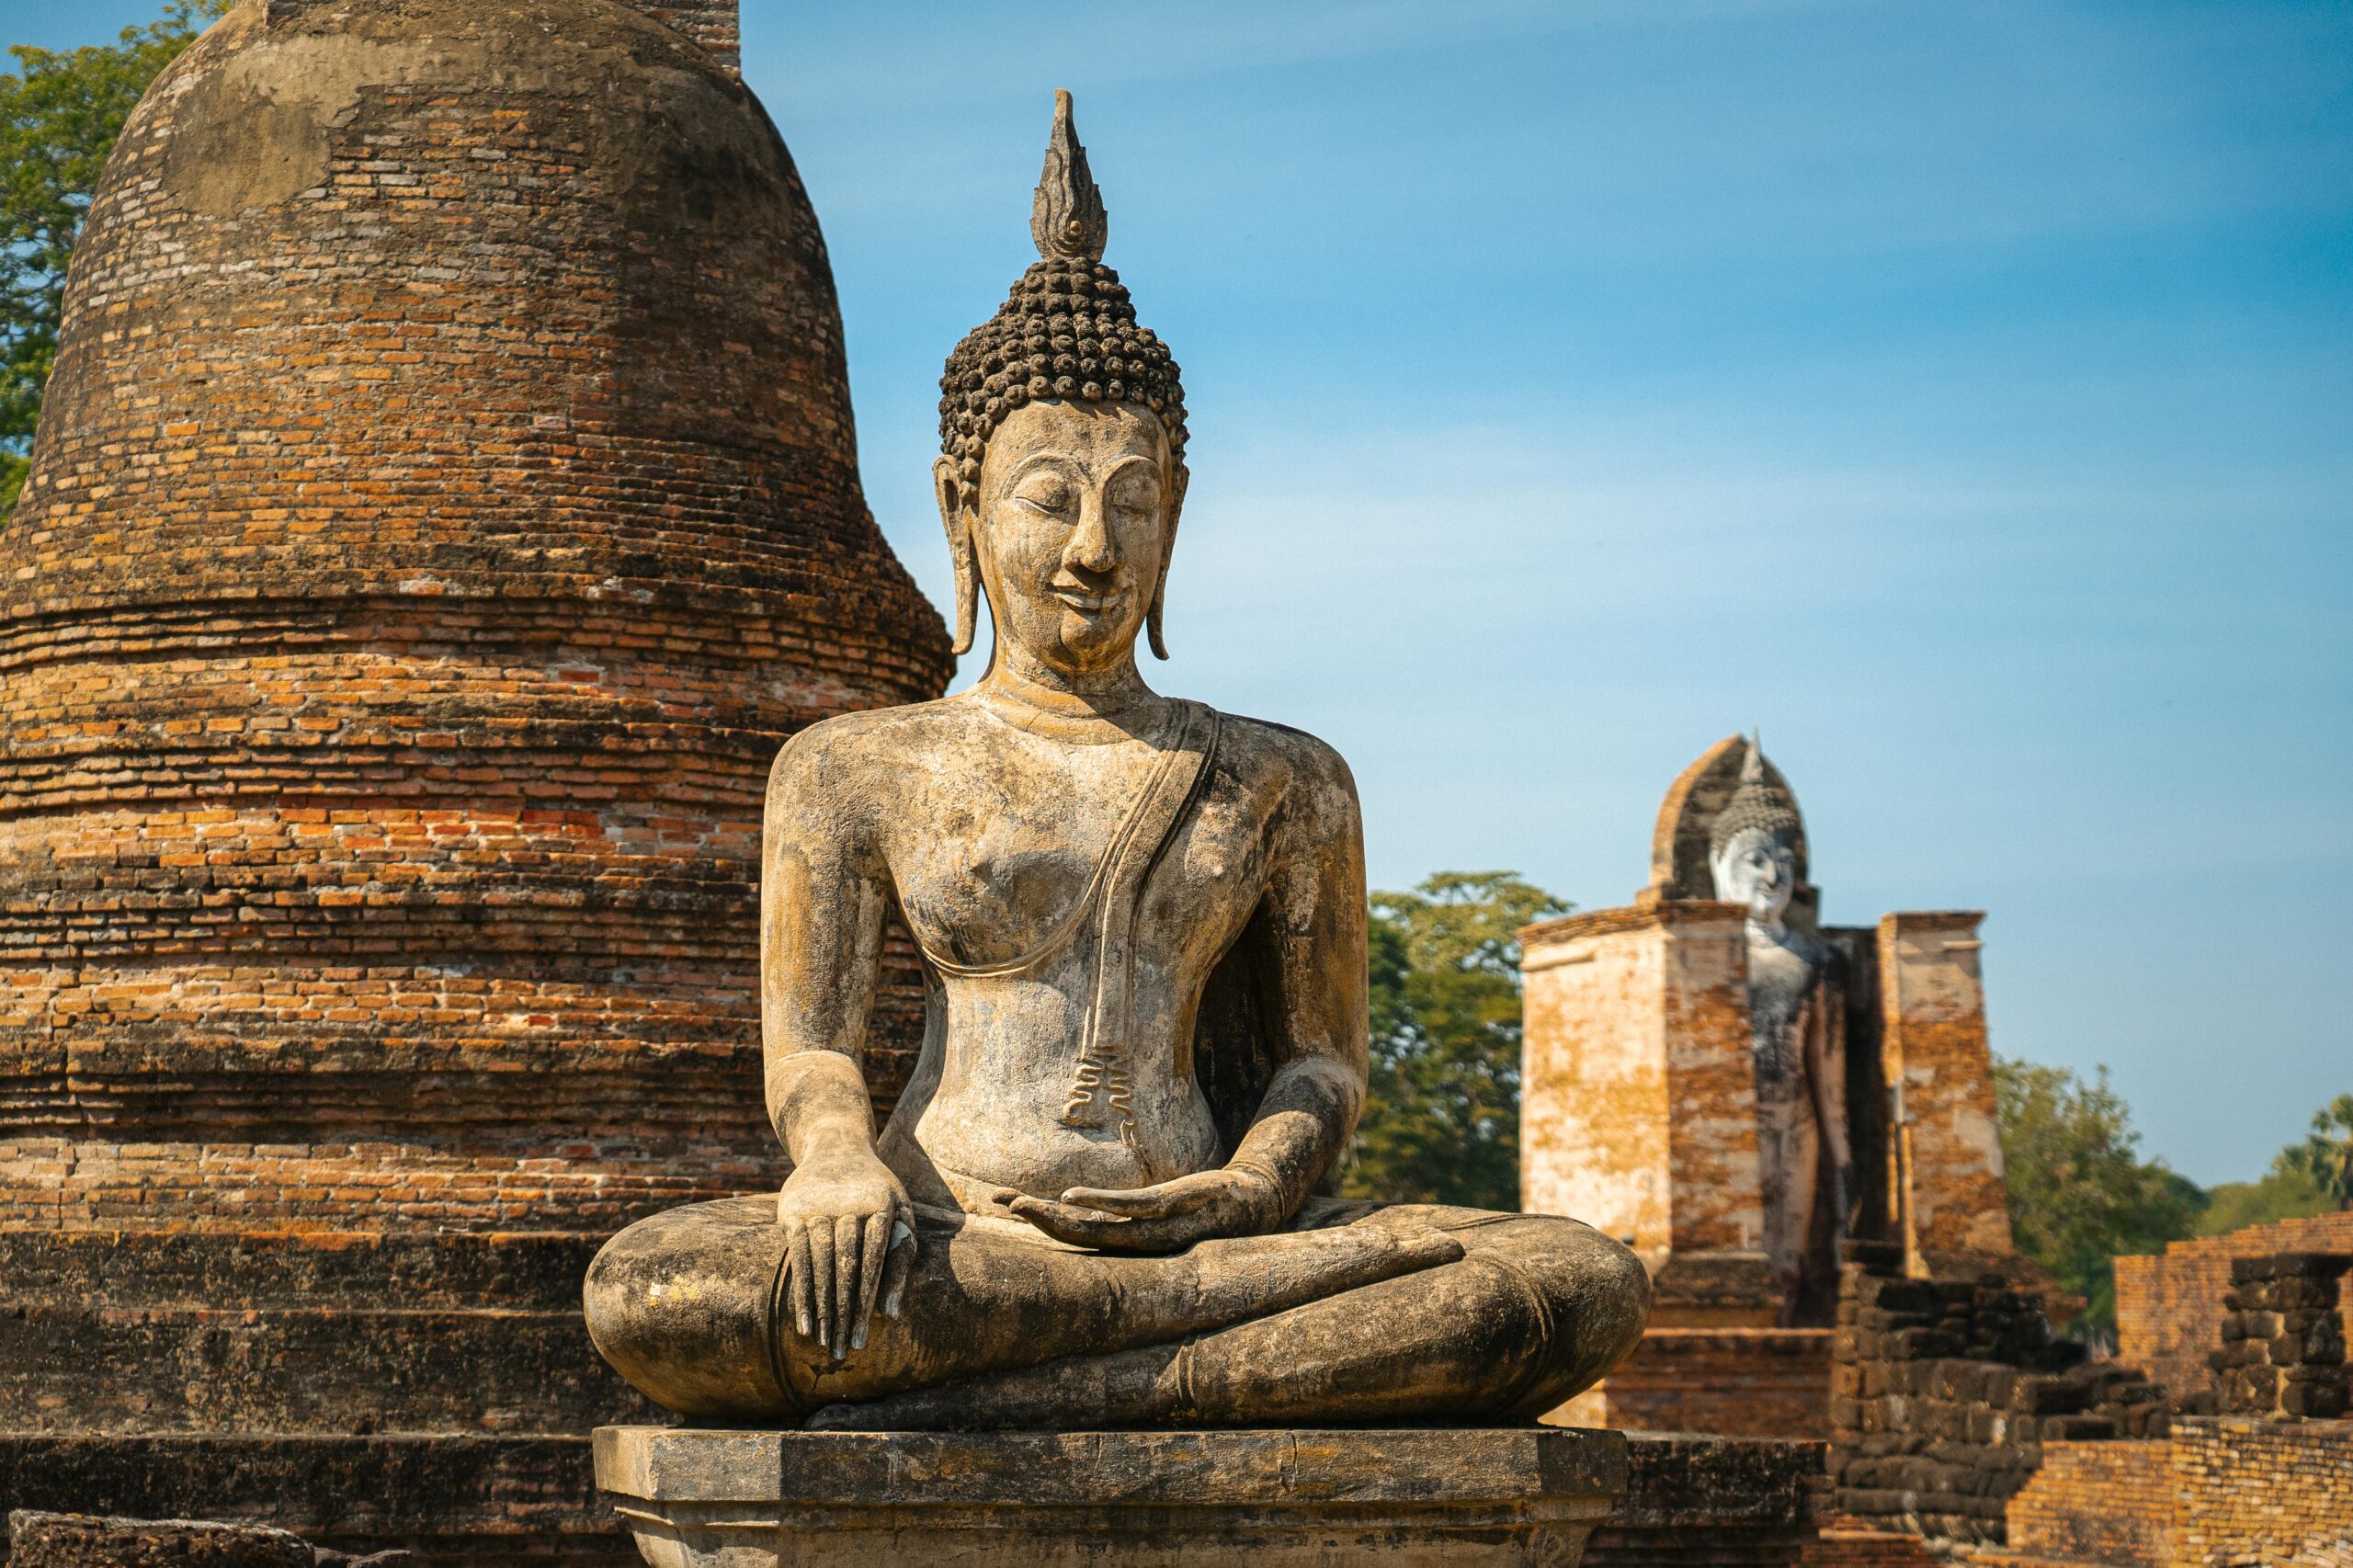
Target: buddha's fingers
pixel 847 1253
pixel 1091 1228
pixel 798 1277
pixel 902 1259
pixel 821 1280
pixel 1182 1196
pixel 876 1242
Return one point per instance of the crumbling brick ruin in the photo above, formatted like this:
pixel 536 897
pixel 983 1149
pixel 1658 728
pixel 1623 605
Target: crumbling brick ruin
pixel 1959 1418
pixel 445 506
pixel 1943 1393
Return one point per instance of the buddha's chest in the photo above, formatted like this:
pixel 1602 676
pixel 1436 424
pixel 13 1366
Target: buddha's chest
pixel 1028 846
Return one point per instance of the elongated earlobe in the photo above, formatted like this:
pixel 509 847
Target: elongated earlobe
pixel 1153 617
pixel 964 552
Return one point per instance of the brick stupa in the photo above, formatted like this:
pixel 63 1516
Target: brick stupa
pixel 445 506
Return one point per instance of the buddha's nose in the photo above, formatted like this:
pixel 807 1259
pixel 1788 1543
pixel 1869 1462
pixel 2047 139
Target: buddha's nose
pixel 1091 547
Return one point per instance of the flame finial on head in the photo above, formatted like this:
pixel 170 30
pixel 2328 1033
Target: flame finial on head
pixel 1067 219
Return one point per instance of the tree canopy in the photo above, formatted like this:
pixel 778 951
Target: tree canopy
pixel 2325 1157
pixel 59 117
pixel 2080 1193
pixel 1442 1123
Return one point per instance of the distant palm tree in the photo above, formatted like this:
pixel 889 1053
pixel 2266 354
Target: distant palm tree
pixel 2327 1155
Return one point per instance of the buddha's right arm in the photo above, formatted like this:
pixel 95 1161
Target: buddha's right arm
pixel 824 896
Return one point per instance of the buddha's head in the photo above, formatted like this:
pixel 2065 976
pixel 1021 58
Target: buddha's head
pixel 1754 843
pixel 1062 427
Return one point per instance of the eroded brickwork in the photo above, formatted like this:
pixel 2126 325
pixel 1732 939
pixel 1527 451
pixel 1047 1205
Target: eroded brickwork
pixel 1739 1382
pixel 2169 1308
pixel 2104 1503
pixel 1944 1393
pixel 1695 1502
pixel 2263 1495
pixel 2282 1350
pixel 1638 1111
pixel 446 504
pixel 1953 1208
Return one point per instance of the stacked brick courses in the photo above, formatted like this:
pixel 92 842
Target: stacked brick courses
pixel 1692 1502
pixel 2282 1352
pixel 1943 1394
pixel 2170 1307
pixel 2263 1495
pixel 445 506
pixel 2104 1503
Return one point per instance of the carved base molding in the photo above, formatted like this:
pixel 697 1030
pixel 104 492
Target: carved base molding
pixel 698 1497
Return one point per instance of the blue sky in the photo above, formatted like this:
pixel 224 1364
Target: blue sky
pixel 1960 393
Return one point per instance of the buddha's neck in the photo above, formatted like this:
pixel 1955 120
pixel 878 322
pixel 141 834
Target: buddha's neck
pixel 1088 705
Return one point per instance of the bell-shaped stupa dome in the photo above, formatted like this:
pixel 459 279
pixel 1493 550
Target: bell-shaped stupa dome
pixel 445 506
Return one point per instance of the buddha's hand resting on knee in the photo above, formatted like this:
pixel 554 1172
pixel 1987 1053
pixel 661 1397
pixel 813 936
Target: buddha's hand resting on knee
pixel 1232 1201
pixel 849 1241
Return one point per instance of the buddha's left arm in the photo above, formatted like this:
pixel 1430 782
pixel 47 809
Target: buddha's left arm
pixel 1314 920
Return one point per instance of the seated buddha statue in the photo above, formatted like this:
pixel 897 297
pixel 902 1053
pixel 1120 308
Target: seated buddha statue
pixel 1100 1201
pixel 1797 1035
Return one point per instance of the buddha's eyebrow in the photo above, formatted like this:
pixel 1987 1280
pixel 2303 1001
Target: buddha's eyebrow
pixel 1034 458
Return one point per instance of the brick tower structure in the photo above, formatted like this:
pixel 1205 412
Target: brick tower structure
pixel 1640 1115
pixel 445 506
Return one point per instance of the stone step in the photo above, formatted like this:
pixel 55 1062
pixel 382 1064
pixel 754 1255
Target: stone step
pixel 459 1501
pixel 453 1270
pixel 327 1370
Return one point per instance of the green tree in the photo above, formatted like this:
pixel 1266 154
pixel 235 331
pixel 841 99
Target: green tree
pixel 1442 1123
pixel 2284 1193
pixel 2325 1158
pixel 59 119
pixel 2080 1193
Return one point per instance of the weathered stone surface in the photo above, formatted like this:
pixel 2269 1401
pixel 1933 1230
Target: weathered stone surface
pixel 1143 926
pixel 82 1541
pixel 471 1500
pixel 1170 1499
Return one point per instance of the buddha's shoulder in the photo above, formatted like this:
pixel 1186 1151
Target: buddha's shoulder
pixel 872 738
pixel 1260 750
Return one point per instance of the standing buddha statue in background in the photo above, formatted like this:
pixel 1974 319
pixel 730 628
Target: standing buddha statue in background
pixel 1797 1032
pixel 1099 1202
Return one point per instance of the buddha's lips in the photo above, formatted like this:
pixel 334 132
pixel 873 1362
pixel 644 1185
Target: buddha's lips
pixel 1078 599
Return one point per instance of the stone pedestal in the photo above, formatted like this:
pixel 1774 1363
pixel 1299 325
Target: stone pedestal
pixel 719 1498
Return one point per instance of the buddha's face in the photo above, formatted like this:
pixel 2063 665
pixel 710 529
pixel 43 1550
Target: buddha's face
pixel 1759 870
pixel 1073 525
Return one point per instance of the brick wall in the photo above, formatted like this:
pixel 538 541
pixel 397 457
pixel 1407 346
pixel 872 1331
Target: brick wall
pixel 1639 1098
pixel 1953 1209
pixel 713 24
pixel 2263 1493
pixel 445 506
pixel 446 503
pixel 1741 1382
pixel 1695 1502
pixel 2169 1308
pixel 1944 1393
pixel 2282 1350
pixel 2105 1503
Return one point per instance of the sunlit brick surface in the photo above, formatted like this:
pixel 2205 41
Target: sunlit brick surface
pixel 445 506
